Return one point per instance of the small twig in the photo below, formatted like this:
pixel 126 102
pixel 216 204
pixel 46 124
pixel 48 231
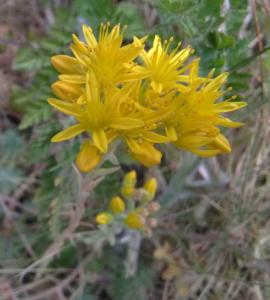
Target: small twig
pixel 165 290
pixel 6 290
pixel 266 6
pixel 58 288
pixel 257 24
pixel 134 244
pixel 25 242
pixel 30 181
pixel 260 41
pixel 16 203
pixel 255 41
pixel 224 11
pixel 246 22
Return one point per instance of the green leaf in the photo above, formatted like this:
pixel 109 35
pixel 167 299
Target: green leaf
pixel 128 13
pixel 220 40
pixel 248 60
pixel 38 112
pixel 25 60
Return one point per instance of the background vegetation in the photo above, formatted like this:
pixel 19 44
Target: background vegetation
pixel 212 241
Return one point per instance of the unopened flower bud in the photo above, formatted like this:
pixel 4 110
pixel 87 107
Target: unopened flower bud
pixel 66 90
pixel 117 205
pixel 150 187
pixel 129 183
pixel 104 218
pixel 134 220
pixel 88 157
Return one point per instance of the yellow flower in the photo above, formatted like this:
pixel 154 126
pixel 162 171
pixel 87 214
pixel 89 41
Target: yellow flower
pixel 163 69
pixel 134 220
pixel 100 116
pixel 117 205
pixel 104 218
pixel 112 95
pixel 150 187
pixel 139 139
pixel 198 115
pixel 106 57
pixel 129 183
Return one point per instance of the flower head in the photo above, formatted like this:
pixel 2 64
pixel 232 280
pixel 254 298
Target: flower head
pixel 163 69
pixel 107 57
pixel 100 115
pixel 160 98
pixel 198 115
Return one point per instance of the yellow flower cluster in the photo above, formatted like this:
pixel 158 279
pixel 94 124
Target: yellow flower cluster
pixel 137 209
pixel 141 97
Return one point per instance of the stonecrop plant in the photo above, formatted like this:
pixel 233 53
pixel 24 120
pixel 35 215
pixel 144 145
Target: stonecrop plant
pixel 140 96
pixel 135 210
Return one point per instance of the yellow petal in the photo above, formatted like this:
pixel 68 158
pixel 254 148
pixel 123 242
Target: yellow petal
pixel 68 133
pixel 79 45
pixel 76 79
pixel 66 91
pixel 89 36
pixel 155 138
pixel 136 74
pixel 149 156
pixel 92 89
pixel 227 106
pixel 100 140
pixel 139 42
pixel 88 157
pixel 216 83
pixel 183 89
pixel 134 145
pixel 125 123
pixel 205 152
pixel 171 133
pixel 68 108
pixel 158 115
pixel 193 141
pixel 229 123
pixel 131 51
pixel 82 59
pixel 221 143
pixel 65 64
